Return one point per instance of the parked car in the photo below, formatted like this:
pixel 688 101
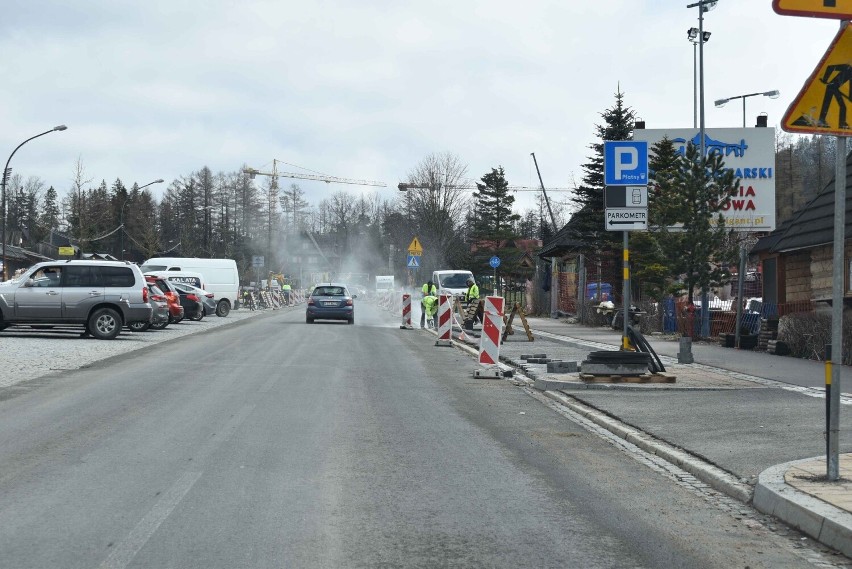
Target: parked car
pixel 192 305
pixel 100 296
pixel 330 301
pixel 160 315
pixel 208 299
pixel 176 312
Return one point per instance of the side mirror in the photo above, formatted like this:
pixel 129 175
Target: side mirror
pixel 354 296
pixel 29 283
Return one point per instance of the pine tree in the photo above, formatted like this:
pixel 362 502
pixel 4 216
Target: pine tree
pixel 587 224
pixel 495 222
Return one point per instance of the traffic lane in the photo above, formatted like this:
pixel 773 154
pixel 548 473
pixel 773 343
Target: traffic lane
pixel 743 431
pixel 795 371
pixel 363 462
pixel 299 452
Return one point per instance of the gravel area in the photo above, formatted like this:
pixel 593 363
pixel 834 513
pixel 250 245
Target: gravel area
pixel 27 354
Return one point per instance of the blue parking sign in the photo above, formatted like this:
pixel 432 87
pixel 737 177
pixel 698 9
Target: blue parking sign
pixel 625 163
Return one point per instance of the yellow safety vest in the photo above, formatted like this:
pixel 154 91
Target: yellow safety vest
pixel 426 290
pixel 472 293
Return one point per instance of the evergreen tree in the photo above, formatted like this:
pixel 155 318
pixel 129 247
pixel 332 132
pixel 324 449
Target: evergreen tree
pixel 695 192
pixel 50 213
pixel 587 224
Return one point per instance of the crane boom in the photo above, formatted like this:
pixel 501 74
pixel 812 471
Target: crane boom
pixel 318 177
pixel 403 187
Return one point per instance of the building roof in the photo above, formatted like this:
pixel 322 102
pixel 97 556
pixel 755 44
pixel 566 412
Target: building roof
pixel 812 225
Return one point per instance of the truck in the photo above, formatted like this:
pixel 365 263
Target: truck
pixel 384 283
pixel 451 282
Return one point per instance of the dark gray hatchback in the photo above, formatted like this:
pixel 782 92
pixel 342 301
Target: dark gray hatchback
pixel 330 301
pixel 101 296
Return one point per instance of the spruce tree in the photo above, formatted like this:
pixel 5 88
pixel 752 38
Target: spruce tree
pixel 587 224
pixel 494 221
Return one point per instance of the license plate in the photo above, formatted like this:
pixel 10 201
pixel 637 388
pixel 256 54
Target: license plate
pixel 329 303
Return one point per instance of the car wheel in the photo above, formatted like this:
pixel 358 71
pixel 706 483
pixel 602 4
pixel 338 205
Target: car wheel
pixel 351 320
pixel 309 320
pixel 139 326
pixel 223 308
pixel 159 325
pixel 198 316
pixel 104 324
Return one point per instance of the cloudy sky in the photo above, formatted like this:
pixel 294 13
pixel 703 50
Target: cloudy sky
pixel 366 89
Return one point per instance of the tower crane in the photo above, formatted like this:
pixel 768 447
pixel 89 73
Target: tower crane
pixel 318 177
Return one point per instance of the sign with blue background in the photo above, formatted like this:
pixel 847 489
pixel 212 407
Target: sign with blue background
pixel 494 262
pixel 625 163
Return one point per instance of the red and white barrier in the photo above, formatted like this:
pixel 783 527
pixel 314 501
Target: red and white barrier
pixel 406 311
pixel 445 322
pixel 492 328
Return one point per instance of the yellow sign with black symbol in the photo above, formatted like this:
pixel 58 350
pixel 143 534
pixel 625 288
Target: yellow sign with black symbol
pixel 66 251
pixel 823 104
pixel 415 248
pixel 837 9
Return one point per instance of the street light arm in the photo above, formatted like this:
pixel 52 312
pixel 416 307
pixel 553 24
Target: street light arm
pixel 60 127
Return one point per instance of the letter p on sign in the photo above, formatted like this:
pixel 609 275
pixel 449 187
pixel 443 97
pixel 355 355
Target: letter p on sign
pixel 625 163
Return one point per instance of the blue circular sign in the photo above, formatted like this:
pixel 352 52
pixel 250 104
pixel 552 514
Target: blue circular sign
pixel 494 262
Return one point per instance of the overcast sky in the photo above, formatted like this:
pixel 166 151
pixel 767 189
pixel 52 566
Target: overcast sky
pixel 366 89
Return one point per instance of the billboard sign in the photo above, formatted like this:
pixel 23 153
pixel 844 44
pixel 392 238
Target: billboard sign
pixel 750 153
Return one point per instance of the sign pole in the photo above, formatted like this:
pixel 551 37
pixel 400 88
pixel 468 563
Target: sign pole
pixel 838 273
pixel 625 343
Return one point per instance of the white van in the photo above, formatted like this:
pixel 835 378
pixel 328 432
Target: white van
pixel 451 282
pixel 221 276
pixel 185 277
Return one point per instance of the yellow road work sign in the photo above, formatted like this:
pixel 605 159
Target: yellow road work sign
pixel 838 9
pixel 415 248
pixel 822 105
pixel 66 251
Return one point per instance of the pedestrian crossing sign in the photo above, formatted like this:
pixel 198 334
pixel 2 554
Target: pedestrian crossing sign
pixel 413 261
pixel 821 105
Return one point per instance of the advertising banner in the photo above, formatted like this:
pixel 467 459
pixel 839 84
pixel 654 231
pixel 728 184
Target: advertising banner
pixel 750 153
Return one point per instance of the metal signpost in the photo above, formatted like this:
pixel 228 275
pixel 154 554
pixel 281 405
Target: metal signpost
pixel 626 165
pixel 824 90
pixel 494 262
pixel 415 250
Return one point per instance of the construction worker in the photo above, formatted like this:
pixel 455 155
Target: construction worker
pixel 428 289
pixel 471 297
pixel 430 308
pixel 287 289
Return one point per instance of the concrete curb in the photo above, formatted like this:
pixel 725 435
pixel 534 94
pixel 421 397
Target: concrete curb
pixel 822 521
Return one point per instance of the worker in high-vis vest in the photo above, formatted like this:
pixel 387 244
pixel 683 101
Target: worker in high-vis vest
pixel 471 297
pixel 287 289
pixel 430 308
pixel 428 289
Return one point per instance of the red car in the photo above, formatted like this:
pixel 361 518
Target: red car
pixel 175 309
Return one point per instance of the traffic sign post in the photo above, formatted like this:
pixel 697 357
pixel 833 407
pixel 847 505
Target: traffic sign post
pixel 413 261
pixel 828 90
pixel 494 262
pixel 626 173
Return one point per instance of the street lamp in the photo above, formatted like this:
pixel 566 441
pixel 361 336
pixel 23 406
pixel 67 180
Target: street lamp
pixel 121 213
pixel 703 6
pixel 6 172
pixel 771 94
pixel 693 36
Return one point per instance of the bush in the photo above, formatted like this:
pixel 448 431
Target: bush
pixel 807 334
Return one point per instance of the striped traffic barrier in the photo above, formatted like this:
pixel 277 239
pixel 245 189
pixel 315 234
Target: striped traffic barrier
pixel 406 312
pixel 492 327
pixel 445 323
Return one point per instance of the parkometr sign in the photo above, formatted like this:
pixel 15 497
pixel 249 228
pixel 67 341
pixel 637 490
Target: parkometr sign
pixel 750 153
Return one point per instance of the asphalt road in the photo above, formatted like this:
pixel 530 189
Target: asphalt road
pixel 273 443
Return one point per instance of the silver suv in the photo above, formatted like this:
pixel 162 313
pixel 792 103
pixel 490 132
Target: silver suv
pixel 102 296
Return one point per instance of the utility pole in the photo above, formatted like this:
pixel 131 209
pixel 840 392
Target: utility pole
pixel 554 269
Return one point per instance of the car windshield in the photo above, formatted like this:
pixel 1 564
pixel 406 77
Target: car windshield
pixel 455 280
pixel 329 291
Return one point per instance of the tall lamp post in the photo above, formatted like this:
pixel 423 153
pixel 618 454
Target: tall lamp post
pixel 121 213
pixel 703 6
pixel 695 37
pixel 771 94
pixel 6 172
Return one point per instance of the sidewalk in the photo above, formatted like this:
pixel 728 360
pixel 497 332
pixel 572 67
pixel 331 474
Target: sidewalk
pixel 756 421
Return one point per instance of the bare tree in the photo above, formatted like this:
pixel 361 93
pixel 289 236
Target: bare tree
pixel 437 205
